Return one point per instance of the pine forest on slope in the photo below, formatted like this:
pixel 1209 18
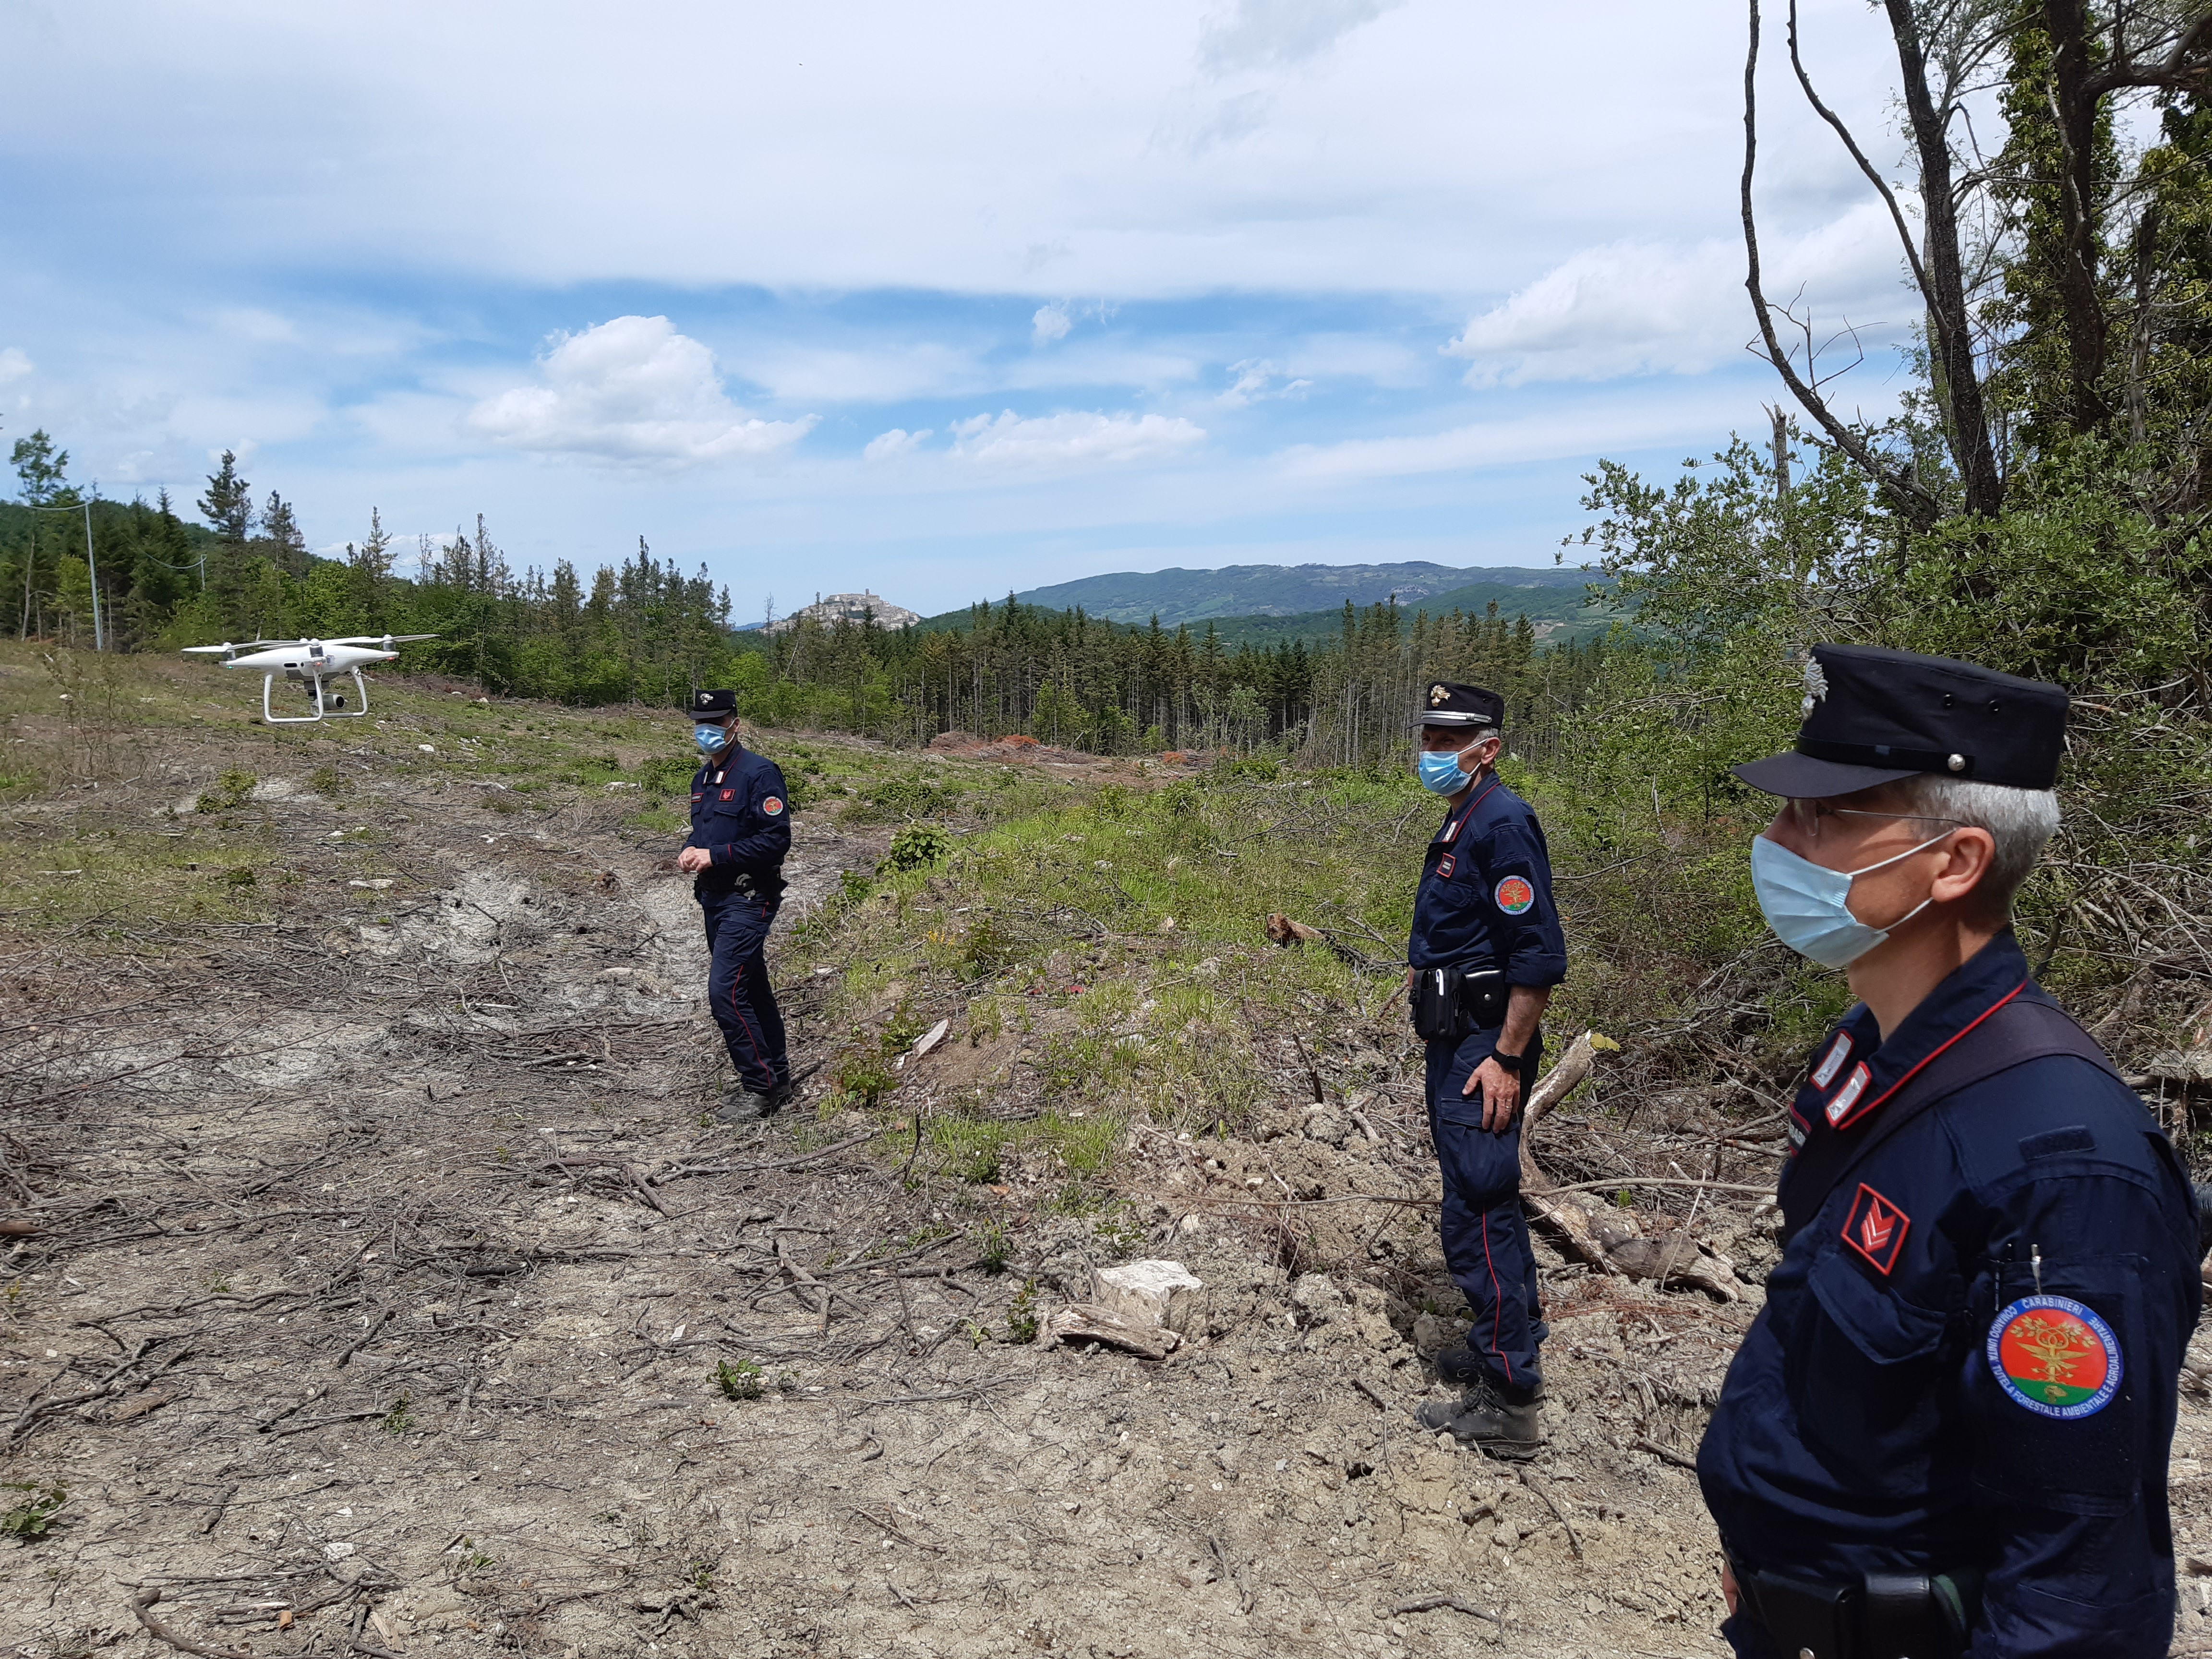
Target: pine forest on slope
pixel 1280 590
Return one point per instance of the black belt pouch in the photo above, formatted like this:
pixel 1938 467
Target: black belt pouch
pixel 1447 1003
pixel 1804 1617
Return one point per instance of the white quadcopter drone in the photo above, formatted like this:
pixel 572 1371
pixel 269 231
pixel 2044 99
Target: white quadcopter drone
pixel 307 663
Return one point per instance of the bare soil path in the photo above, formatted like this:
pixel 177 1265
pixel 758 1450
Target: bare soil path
pixel 389 1296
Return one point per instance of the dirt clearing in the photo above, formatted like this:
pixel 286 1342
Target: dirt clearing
pixel 388 1294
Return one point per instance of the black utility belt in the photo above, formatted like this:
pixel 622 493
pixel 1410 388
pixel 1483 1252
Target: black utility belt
pixel 745 886
pixel 1880 1616
pixel 1451 1003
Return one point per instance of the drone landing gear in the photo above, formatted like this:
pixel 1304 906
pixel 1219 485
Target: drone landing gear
pixel 335 710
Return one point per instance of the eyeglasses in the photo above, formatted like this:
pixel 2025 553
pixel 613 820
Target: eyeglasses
pixel 1807 815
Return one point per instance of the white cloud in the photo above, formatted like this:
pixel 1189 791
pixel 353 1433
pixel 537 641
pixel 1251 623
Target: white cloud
pixel 893 444
pixel 1641 307
pixel 14 365
pixel 1076 438
pixel 1611 425
pixel 1051 323
pixel 1255 34
pixel 1257 382
pixel 630 390
pixel 970 151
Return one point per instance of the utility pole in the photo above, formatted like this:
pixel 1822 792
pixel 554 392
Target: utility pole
pixel 99 640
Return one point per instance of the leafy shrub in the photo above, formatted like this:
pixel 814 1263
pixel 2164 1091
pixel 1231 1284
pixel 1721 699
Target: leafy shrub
pixel 229 790
pixel 34 1518
pixel 904 799
pixel 916 847
pixel 739 1382
pixel 329 782
pixel 866 1076
pixel 1022 1315
pixel 668 774
pixel 986 949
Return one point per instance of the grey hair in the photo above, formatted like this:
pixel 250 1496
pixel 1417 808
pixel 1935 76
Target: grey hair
pixel 2019 822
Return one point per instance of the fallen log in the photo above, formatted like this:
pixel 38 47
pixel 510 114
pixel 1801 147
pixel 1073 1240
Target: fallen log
pixel 1609 1239
pixel 1086 1322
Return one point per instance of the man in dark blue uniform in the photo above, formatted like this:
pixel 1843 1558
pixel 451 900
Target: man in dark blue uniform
pixel 740 832
pixel 1947 1432
pixel 1484 953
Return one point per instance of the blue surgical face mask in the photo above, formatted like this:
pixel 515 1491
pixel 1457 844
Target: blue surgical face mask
pixel 1804 903
pixel 1440 772
pixel 711 739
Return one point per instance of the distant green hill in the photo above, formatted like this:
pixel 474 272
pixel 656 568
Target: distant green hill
pixel 1558 615
pixel 1270 604
pixel 1287 590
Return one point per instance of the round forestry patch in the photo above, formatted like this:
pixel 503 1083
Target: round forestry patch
pixel 2055 1356
pixel 1515 895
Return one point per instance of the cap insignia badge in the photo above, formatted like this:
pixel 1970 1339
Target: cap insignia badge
pixel 1816 679
pixel 1439 696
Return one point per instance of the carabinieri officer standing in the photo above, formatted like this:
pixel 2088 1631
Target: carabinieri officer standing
pixel 740 832
pixel 1947 1431
pixel 1484 953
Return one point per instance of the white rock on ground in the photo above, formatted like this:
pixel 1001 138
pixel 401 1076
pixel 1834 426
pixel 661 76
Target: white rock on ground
pixel 1148 1292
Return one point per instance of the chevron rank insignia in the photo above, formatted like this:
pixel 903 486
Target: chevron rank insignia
pixel 1876 1228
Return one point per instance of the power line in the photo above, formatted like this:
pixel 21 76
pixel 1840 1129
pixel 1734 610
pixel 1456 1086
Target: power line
pixel 91 565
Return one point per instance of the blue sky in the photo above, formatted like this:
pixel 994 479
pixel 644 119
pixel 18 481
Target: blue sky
pixel 936 301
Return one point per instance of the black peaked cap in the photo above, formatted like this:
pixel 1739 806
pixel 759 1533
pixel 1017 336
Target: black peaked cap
pixel 1447 703
pixel 712 705
pixel 1873 716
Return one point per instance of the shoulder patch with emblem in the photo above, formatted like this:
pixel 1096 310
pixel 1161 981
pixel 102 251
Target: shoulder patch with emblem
pixel 1876 1228
pixel 1513 896
pixel 2055 1356
pixel 772 806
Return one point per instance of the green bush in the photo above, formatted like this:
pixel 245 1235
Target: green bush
pixel 916 847
pixel 32 1518
pixel 229 790
pixel 739 1382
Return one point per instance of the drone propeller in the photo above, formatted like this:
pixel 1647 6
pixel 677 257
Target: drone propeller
pixel 209 650
pixel 386 641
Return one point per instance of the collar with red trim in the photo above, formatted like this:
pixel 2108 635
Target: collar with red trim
pixel 1855 1069
pixel 1483 788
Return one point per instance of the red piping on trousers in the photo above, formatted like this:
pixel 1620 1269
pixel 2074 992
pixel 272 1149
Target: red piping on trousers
pixel 1497 1300
pixel 737 1012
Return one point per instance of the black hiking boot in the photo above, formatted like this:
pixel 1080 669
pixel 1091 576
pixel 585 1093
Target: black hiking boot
pixel 742 1105
pixel 1504 1424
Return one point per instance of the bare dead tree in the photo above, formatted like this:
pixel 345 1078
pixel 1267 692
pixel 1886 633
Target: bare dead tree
pixel 1911 498
pixel 1943 47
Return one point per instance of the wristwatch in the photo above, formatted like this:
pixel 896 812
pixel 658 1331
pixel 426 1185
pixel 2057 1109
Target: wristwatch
pixel 1516 1064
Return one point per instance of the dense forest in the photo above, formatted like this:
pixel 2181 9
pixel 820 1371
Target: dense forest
pixel 643 630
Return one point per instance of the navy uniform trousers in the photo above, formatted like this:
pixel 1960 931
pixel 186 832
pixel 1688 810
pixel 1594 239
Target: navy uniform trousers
pixel 738 991
pixel 1484 1233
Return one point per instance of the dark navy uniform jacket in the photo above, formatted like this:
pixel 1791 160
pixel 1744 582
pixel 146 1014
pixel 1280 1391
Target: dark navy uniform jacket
pixel 741 814
pixel 1485 893
pixel 1968 1355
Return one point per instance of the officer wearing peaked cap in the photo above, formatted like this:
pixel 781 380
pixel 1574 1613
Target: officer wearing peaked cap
pixel 1947 1431
pixel 1484 953
pixel 740 832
